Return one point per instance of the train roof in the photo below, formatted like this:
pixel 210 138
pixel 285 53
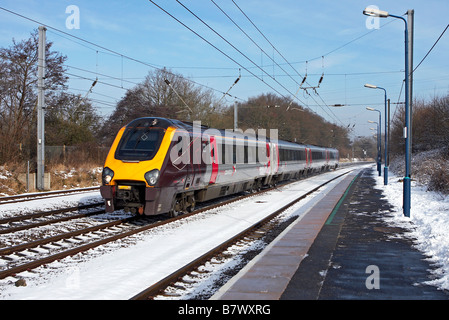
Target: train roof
pixel 189 126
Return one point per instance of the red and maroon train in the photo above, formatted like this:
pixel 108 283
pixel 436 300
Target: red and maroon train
pixel 158 165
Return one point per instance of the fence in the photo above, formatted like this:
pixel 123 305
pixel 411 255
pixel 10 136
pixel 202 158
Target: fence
pixel 76 154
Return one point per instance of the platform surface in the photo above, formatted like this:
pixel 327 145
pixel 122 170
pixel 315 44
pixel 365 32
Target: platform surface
pixel 340 249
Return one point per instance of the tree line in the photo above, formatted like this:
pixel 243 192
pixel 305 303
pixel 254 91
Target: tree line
pixel 430 125
pixel 71 120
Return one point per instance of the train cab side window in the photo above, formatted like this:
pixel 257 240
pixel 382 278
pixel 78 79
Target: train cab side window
pixel 180 146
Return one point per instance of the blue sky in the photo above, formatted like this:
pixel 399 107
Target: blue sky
pixel 299 30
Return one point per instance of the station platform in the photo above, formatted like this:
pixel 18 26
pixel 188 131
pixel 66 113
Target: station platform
pixel 340 249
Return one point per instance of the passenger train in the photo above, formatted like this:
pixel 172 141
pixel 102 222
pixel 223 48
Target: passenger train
pixel 158 165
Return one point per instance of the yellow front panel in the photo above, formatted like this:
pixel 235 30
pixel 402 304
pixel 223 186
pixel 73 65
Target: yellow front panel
pixel 135 171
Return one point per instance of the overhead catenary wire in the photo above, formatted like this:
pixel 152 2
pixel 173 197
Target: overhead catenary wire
pixel 294 96
pixel 334 116
pixel 215 47
pixel 109 51
pixel 252 40
pixel 234 47
pixel 303 78
pixel 112 52
pixel 431 48
pixel 263 35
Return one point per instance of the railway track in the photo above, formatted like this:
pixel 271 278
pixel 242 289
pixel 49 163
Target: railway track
pixel 249 234
pixel 33 254
pixel 30 255
pixel 43 195
pixel 40 252
pixel 33 220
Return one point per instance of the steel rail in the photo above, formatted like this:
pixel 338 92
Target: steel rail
pixel 43 195
pixel 43 261
pixel 159 286
pixel 45 214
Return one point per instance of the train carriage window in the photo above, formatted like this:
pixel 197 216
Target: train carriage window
pixel 207 152
pixel 260 153
pixel 245 152
pixel 234 153
pixel 223 152
pixel 251 153
pixel 240 151
pixel 230 154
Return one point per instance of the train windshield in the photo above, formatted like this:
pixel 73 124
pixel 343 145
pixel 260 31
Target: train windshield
pixel 139 142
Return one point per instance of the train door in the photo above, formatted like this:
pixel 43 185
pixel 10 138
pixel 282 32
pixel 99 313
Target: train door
pixel 213 159
pixel 310 158
pixel 268 159
pixel 190 172
pixel 274 158
pixel 307 157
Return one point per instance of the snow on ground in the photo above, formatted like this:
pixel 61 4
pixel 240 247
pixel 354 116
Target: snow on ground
pixel 121 270
pixel 44 204
pixel 124 270
pixel 428 222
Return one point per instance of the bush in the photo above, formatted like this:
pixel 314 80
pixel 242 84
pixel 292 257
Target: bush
pixel 439 181
pixel 429 168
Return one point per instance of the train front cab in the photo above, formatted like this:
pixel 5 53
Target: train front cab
pixel 133 166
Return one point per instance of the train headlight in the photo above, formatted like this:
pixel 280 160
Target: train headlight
pixel 152 177
pixel 107 175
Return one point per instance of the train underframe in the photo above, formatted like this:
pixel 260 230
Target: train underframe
pixel 137 198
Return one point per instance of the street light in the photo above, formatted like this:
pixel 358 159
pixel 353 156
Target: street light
pixel 387 118
pixel 373 12
pixel 378 147
pixel 379 143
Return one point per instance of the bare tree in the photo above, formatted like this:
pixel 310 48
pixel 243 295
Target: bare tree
pixel 162 94
pixel 430 125
pixel 18 92
pixel 72 120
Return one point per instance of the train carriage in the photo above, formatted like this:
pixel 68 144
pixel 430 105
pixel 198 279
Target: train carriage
pixel 157 165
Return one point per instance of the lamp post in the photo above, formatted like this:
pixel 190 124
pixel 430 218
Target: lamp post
pixel 408 91
pixel 387 117
pixel 378 146
pixel 379 139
